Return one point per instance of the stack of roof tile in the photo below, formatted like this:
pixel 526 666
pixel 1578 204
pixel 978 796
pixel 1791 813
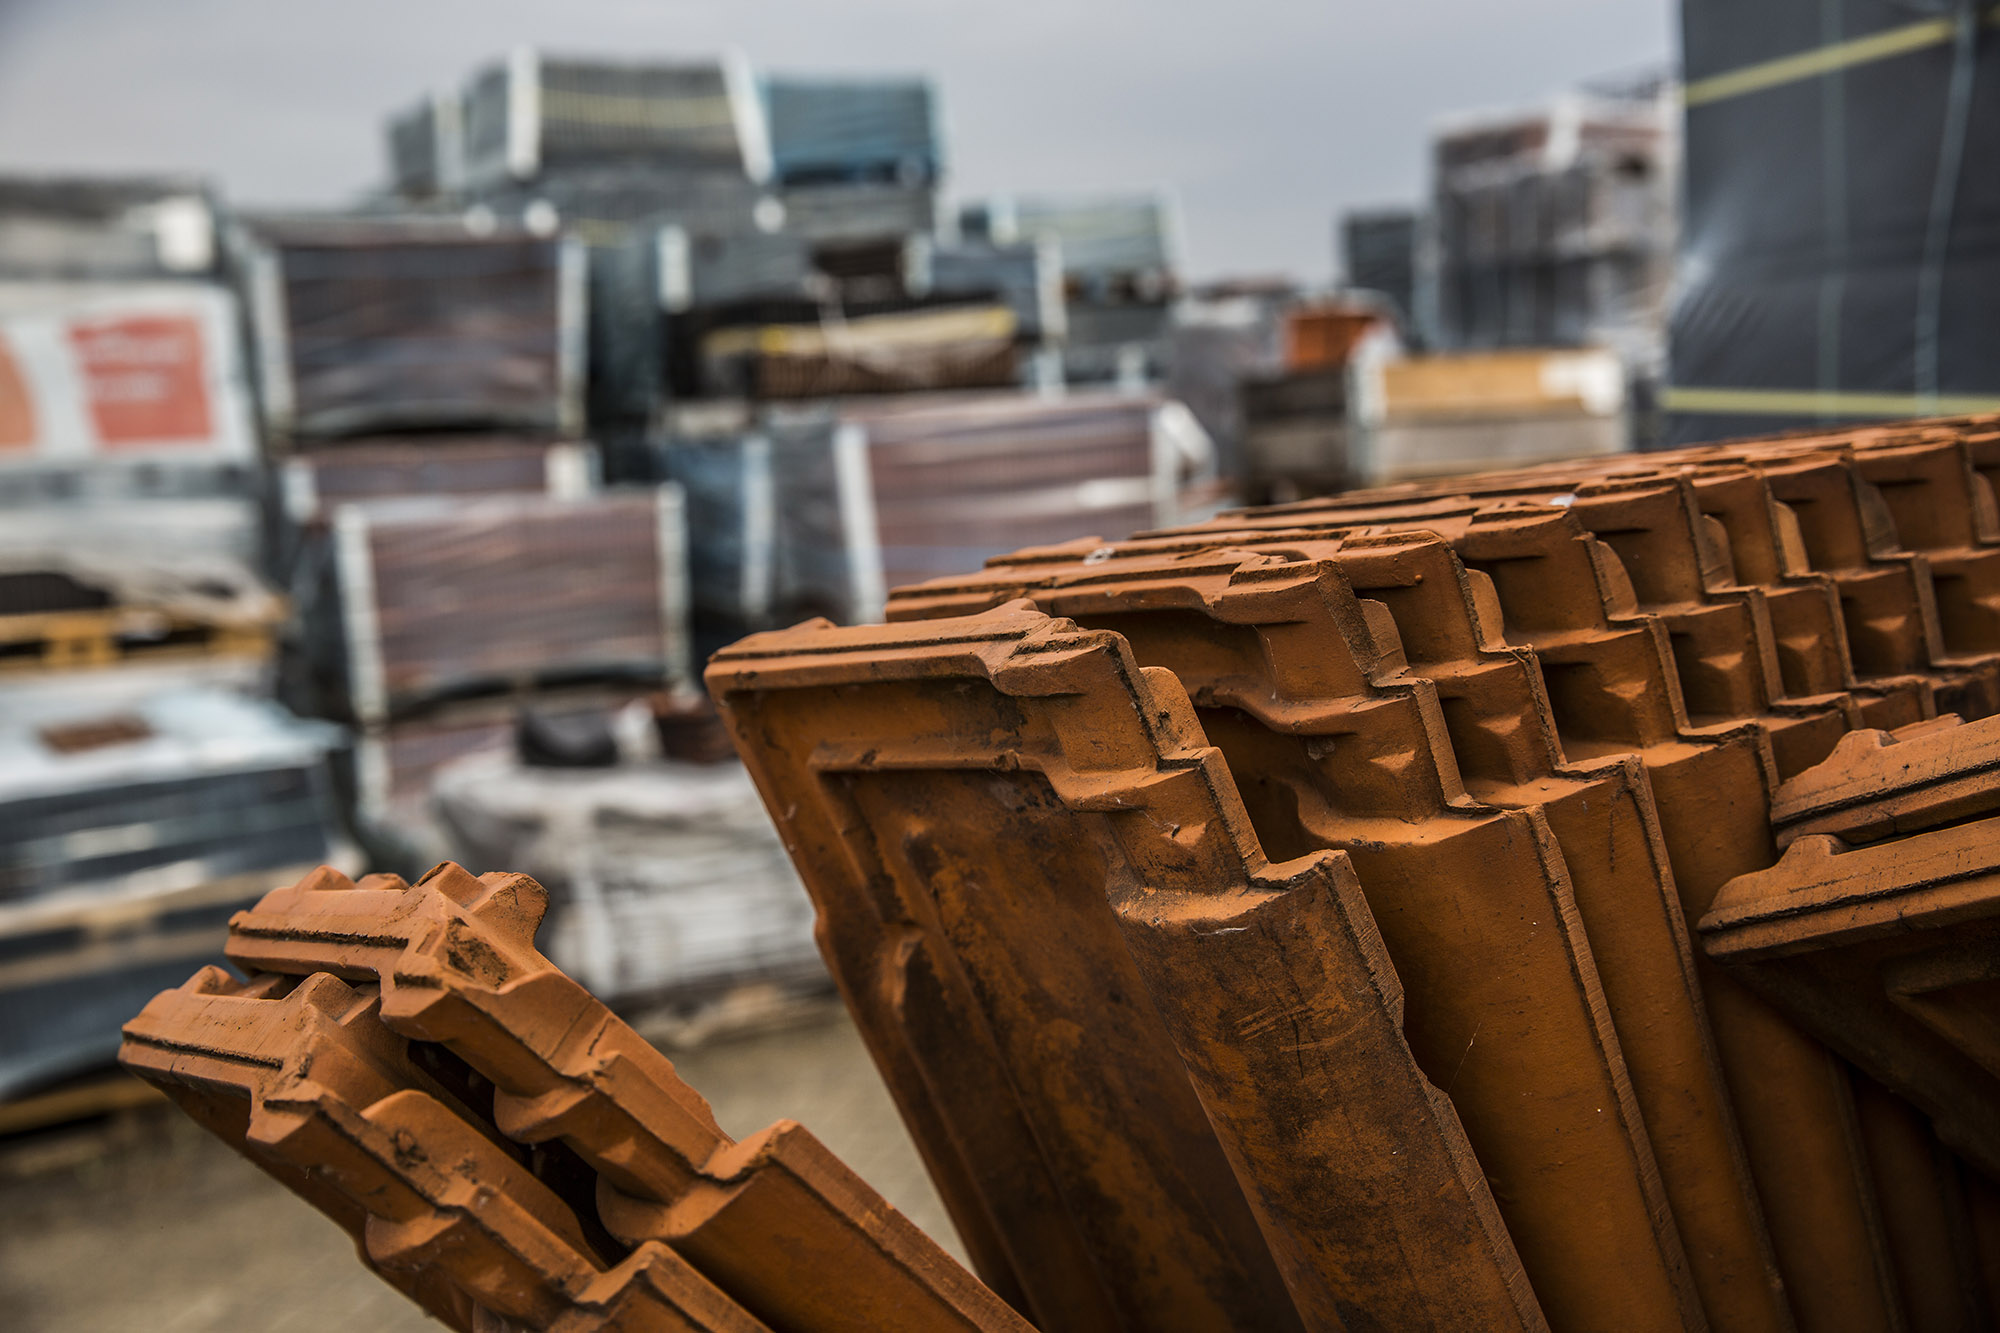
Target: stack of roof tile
pixel 504 1150
pixel 1300 905
pixel 1367 913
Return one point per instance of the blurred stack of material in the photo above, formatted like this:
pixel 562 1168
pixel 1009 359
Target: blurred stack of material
pixel 312 483
pixel 1379 256
pixel 536 114
pixel 954 348
pixel 826 130
pixel 1121 273
pixel 1459 412
pixel 1556 228
pixel 502 1148
pixel 1838 258
pixel 427 149
pixel 885 315
pixel 716 206
pixel 133 823
pixel 818 512
pixel 379 325
pixel 1027 277
pixel 435 616
pixel 124 409
pixel 1514 740
pixel 1297 423
pixel 65 611
pixel 109 229
pixel 856 158
pixel 666 879
pixel 143 797
pixel 1223 334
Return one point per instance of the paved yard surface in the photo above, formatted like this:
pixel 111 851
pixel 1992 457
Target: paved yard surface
pixel 145 1223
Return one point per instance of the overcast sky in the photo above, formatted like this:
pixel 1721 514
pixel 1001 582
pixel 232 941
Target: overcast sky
pixel 1266 117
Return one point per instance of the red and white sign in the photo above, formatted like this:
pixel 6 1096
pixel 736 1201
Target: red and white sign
pixel 125 370
pixel 143 377
pixel 17 409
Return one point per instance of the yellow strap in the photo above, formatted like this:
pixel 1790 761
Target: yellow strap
pixel 1823 60
pixel 1815 403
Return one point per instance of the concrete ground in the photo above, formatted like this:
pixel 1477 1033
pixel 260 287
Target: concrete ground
pixel 144 1222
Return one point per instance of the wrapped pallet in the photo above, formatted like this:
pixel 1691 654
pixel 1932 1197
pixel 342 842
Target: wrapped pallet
pixel 125 421
pixel 950 347
pixel 819 512
pixel 842 130
pixel 1027 276
pixel 450 596
pixel 534 113
pixel 369 325
pixel 1839 261
pixel 132 825
pixel 107 229
pixel 1555 227
pixel 1435 415
pixel 312 483
pixel 666 880
pixel 1120 258
pixel 126 372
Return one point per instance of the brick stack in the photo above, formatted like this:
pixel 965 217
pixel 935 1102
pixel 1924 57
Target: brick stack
pixel 1286 921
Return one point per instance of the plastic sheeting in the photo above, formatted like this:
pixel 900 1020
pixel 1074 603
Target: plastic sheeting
pixel 664 879
pixel 366 326
pixel 819 513
pixel 1841 251
pixel 844 130
pixel 121 862
pixel 452 595
pixel 106 229
pixel 533 113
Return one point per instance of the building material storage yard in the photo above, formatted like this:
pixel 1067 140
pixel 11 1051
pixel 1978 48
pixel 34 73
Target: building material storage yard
pixel 1219 800
pixel 1430 916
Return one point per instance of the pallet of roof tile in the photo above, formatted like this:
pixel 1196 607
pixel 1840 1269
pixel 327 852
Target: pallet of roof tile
pixel 817 512
pixel 1103 239
pixel 449 596
pixel 366 326
pixel 841 211
pixel 970 347
pixel 166 790
pixel 537 115
pixel 1026 276
pixel 311 482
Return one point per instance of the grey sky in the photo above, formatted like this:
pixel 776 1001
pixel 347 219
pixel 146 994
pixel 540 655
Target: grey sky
pixel 1265 116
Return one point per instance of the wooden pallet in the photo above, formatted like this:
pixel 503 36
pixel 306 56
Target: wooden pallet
pixel 115 1090
pixel 72 640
